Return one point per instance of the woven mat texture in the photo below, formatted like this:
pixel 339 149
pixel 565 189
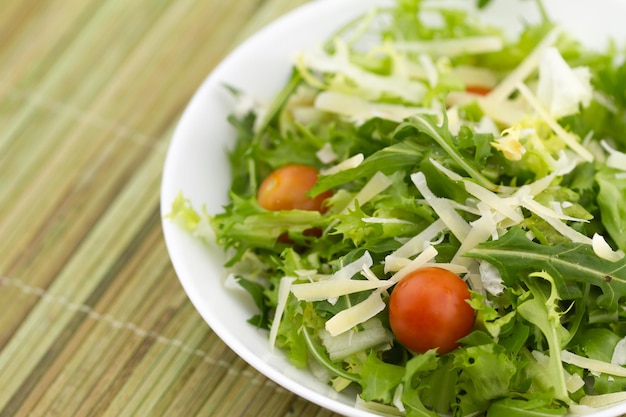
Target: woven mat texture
pixel 93 320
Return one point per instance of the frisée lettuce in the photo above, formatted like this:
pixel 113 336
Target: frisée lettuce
pixel 444 143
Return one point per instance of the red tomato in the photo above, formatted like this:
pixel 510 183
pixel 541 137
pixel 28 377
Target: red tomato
pixel 477 89
pixel 286 188
pixel 428 309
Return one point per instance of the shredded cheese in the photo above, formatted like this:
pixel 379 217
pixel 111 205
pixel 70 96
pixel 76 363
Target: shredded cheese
pixel 452 47
pixel 457 225
pixel 357 314
pixel 326 154
pixel 380 220
pixel 353 268
pixel 352 162
pixel 360 109
pixel 283 294
pixel 567 137
pixel 616 159
pixel 603 250
pixel 329 289
pixel 592 365
pixel 423 258
pixel 602 400
pixel 417 243
pixel 573 382
pixel 370 85
pixel 481 230
pixel 503 90
pixel 376 185
pixel 504 206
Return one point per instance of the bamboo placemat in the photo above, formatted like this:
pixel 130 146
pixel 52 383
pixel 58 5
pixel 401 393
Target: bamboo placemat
pixel 93 321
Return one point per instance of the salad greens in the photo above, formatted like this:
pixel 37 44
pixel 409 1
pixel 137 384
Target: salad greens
pixel 450 144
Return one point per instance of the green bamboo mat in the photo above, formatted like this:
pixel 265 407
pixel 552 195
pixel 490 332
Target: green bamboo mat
pixel 93 321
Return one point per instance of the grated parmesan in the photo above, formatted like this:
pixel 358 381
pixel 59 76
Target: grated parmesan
pixel 357 314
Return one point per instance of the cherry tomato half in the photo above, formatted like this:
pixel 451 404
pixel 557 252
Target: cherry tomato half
pixel 428 309
pixel 286 188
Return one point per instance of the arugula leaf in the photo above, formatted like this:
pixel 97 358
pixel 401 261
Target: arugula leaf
pixel 612 202
pixel 319 354
pixel 399 156
pixel 515 256
pixel 257 291
pixel 428 124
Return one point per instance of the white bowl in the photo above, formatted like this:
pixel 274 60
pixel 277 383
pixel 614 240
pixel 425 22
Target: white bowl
pixel 197 165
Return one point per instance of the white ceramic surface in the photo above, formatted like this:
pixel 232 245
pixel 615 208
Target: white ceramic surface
pixel 196 163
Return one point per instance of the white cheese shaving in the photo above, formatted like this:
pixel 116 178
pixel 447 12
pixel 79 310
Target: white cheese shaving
pixel 283 294
pixel 397 399
pixel 452 47
pixel 457 225
pixel 475 76
pixel 330 289
pixel 306 115
pixel 565 230
pixel 352 162
pixel 432 75
pixel 394 264
pixel 506 112
pixel 481 230
pixel 603 250
pixel 353 268
pixel 326 154
pixel 371 86
pixel 602 400
pixel 377 184
pixel 456 268
pixel 536 187
pixel 503 90
pixel 573 382
pixel 359 109
pixel 616 159
pixel 423 258
pixel 367 273
pixel 507 207
pixel 310 274
pixel 567 137
pixel 384 221
pixel 592 365
pixel 357 314
pixel 419 242
pixel 546 212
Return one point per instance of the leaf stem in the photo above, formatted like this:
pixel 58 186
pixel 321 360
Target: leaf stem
pixel 317 352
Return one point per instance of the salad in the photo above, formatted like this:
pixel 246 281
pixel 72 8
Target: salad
pixel 433 213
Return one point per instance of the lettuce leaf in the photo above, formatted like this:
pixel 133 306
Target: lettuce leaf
pixel 569 264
